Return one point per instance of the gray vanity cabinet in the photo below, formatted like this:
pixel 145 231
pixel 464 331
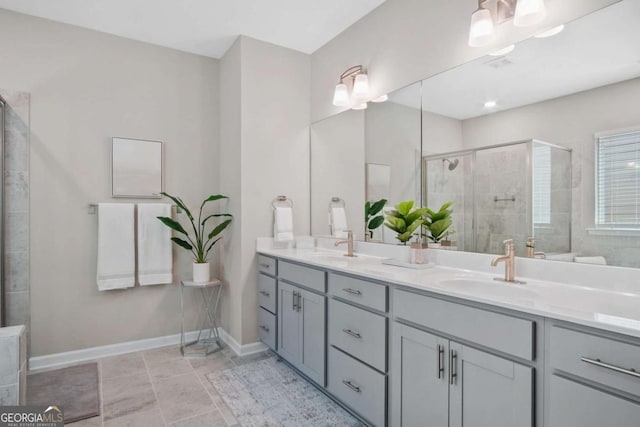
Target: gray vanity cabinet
pixel 301 330
pixel 446 384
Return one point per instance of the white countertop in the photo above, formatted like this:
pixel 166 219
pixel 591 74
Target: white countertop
pixel 610 310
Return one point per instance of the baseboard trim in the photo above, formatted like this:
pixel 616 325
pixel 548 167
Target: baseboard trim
pixel 87 354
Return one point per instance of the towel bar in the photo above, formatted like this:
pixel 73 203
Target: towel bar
pixel 93 209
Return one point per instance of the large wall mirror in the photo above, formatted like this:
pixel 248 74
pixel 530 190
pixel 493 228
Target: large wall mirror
pixel 543 142
pixel 361 157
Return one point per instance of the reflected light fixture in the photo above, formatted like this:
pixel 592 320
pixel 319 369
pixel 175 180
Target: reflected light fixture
pixel 491 13
pixel 490 104
pixel 381 98
pixel 550 33
pixel 360 92
pixel 503 51
pixel 362 106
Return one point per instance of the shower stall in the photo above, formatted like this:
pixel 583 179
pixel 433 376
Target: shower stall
pixel 508 191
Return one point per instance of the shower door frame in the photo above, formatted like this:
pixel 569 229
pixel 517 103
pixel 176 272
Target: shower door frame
pixel 3 106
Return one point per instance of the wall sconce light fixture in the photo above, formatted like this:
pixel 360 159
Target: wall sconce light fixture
pixel 484 20
pixel 360 89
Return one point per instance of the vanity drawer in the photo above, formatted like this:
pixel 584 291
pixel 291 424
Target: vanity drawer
pixel 571 351
pixel 267 295
pixel 501 332
pixel 267 328
pixel 267 265
pixel 358 386
pixel 305 276
pixel 359 291
pixel 358 332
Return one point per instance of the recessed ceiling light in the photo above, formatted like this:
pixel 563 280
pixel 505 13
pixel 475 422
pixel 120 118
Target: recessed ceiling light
pixel 382 98
pixel 503 51
pixel 549 33
pixel 490 104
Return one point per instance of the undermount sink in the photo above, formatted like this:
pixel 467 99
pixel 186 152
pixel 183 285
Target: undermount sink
pixel 492 288
pixel 341 257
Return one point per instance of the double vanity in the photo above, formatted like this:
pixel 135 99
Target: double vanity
pixel 448 346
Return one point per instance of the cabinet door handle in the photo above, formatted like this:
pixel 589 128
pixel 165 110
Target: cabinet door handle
pixel 294 295
pixel 351 386
pixel 265 293
pixel 263 265
pixel 352 291
pixel 264 328
pixel 598 362
pixel 299 305
pixel 453 361
pixel 440 361
pixel 352 333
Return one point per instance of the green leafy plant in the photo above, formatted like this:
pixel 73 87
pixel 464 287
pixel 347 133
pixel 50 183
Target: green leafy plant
pixel 373 217
pixel 200 244
pixel 438 223
pixel 405 220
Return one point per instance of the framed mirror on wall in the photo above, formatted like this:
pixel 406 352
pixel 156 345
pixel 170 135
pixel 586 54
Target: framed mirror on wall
pixel 136 168
pixel 542 144
pixel 364 157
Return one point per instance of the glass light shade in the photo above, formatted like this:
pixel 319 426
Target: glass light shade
pixel 503 51
pixel 362 106
pixel 361 87
pixel 341 95
pixel 529 12
pixel 481 30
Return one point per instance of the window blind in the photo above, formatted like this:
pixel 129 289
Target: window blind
pixel 618 180
pixel 541 184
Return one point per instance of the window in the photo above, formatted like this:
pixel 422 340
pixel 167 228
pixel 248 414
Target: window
pixel 541 184
pixel 618 180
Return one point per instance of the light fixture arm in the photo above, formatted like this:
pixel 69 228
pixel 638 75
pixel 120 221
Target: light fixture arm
pixel 351 72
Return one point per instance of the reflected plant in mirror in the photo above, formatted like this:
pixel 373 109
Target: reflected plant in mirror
pixel 373 217
pixel 437 223
pixel 405 220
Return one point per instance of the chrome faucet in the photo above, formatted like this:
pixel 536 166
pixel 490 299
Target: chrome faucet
pixel 349 243
pixel 509 261
pixel 531 249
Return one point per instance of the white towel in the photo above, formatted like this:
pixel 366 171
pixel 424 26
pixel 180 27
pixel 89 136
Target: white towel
pixel 339 222
pixel 116 246
pixel 598 260
pixel 155 260
pixel 283 224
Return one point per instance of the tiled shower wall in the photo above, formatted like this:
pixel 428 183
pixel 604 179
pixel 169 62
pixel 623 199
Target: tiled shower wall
pixel 16 198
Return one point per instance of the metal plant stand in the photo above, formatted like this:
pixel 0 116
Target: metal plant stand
pixel 208 340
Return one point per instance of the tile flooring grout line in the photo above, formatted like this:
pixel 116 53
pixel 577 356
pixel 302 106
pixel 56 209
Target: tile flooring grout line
pixel 153 388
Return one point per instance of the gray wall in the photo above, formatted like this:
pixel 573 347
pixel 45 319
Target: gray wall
pixel 264 153
pixel 86 87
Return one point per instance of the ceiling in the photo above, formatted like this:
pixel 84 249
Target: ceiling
pixel 206 27
pixel 596 50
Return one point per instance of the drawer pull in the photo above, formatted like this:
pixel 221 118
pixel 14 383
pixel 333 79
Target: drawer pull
pixel 598 362
pixel 352 333
pixel 264 328
pixel 263 265
pixel 265 293
pixel 351 386
pixel 440 361
pixel 352 291
pixel 294 299
pixel 453 361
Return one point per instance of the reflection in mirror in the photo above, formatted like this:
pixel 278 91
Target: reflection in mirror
pixel 542 144
pixel 366 156
pixel 136 167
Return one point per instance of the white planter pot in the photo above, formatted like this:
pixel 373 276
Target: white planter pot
pixel 201 272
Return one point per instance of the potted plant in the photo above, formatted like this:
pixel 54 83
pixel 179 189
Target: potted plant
pixel 200 243
pixel 437 223
pixel 373 217
pixel 405 220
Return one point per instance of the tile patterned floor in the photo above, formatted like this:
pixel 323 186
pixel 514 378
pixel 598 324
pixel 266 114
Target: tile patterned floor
pixel 161 388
